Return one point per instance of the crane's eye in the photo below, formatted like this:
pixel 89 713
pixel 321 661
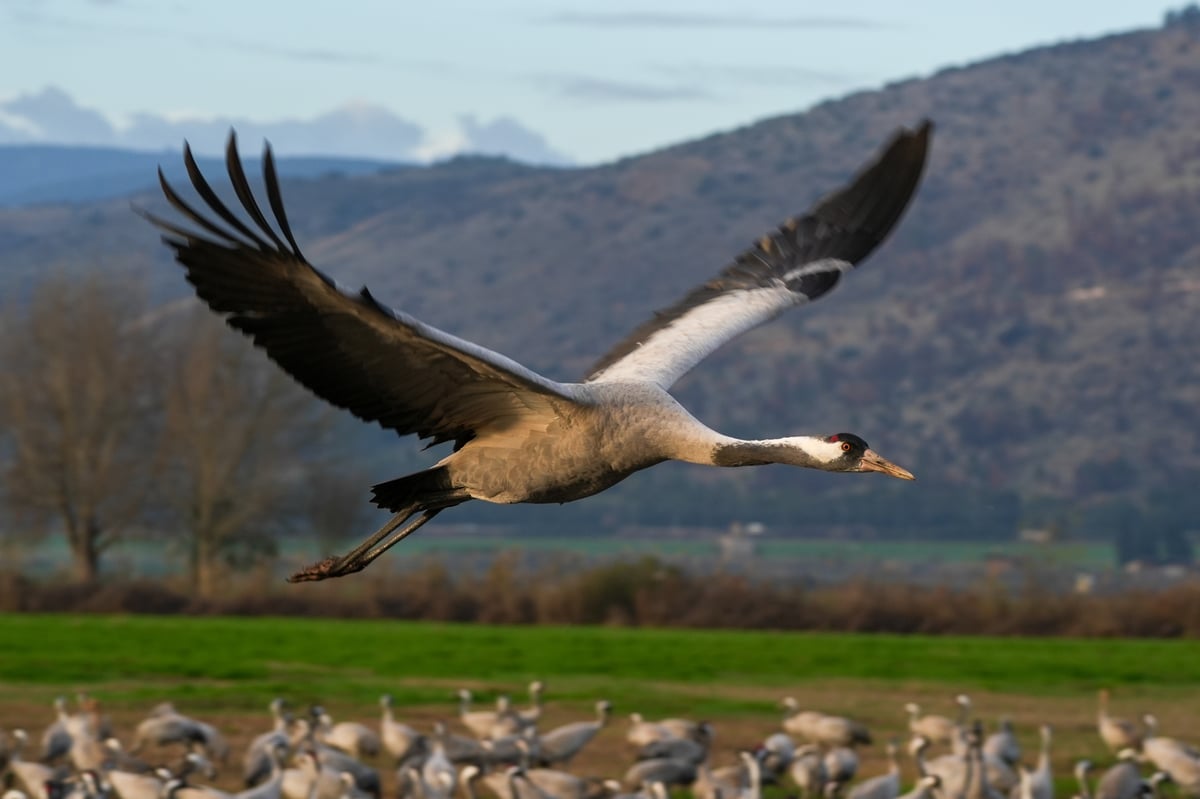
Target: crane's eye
pixel 845 446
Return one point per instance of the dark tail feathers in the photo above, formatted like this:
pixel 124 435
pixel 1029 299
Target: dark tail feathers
pixel 427 490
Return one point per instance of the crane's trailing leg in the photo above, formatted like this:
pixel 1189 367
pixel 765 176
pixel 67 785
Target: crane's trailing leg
pixel 427 492
pixel 361 556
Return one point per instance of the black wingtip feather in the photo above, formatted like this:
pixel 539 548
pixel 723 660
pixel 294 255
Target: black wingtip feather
pixel 234 232
pixel 863 213
pixel 196 217
pixel 214 202
pixel 241 187
pixel 275 197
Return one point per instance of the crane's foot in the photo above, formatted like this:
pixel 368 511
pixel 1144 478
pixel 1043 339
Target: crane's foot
pixel 361 556
pixel 331 566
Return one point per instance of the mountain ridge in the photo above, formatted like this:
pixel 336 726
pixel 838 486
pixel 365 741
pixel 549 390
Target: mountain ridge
pixel 47 174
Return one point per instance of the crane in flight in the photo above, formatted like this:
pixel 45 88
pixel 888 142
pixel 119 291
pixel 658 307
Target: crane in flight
pixel 519 436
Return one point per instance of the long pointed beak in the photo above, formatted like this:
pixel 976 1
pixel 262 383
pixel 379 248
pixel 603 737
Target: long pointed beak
pixel 873 462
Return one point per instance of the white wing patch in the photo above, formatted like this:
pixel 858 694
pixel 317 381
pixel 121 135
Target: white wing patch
pixel 672 350
pixel 816 268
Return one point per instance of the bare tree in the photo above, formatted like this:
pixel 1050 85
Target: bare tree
pixel 236 435
pixel 78 405
pixel 335 506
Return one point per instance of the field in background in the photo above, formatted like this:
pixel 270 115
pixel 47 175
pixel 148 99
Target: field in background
pixel 247 661
pixel 798 557
pixel 226 670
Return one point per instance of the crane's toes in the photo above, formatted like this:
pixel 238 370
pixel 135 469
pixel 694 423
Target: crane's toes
pixel 320 570
pixel 332 566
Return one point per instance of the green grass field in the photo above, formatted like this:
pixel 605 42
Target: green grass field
pixel 248 660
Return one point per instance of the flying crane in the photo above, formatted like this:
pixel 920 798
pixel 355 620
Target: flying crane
pixel 519 436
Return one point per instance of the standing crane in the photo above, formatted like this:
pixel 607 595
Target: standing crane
pixel 884 786
pixel 1116 732
pixel 561 744
pixel 531 716
pixel 938 729
pixel 399 740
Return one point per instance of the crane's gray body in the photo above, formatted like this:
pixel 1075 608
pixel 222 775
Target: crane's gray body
pixel 581 449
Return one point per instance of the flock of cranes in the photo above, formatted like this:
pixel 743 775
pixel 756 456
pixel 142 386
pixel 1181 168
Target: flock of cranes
pixel 509 752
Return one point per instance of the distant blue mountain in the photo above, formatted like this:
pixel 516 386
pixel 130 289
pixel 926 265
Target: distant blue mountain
pixel 56 174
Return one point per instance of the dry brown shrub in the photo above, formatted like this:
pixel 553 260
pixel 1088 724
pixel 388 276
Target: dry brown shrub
pixel 646 592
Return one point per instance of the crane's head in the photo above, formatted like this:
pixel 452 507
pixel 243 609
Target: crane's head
pixel 849 453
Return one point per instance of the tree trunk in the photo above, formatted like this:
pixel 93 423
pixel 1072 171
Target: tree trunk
pixel 205 565
pixel 85 554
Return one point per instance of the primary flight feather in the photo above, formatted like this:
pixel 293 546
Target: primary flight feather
pixel 519 436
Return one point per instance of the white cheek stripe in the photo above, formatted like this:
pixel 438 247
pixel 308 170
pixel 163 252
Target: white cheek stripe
pixel 819 448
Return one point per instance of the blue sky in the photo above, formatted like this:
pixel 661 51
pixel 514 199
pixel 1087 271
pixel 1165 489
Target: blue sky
pixel 580 81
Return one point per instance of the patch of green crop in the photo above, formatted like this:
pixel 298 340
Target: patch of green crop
pixel 245 661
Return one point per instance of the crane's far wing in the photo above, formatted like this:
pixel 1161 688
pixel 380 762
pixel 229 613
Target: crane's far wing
pixel 796 264
pixel 381 365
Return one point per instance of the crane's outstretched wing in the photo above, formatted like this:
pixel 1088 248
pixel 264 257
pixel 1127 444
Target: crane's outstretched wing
pixel 796 264
pixel 381 365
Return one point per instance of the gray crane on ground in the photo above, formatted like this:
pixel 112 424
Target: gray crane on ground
pixel 1116 732
pixel 559 745
pixel 884 786
pixel 399 740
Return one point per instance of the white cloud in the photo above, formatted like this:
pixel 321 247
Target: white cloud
pixel 355 129
pixel 507 136
pixel 58 118
pixel 15 128
pixel 442 144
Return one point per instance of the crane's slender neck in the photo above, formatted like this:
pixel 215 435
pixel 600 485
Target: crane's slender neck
pixel 690 440
pixel 807 451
